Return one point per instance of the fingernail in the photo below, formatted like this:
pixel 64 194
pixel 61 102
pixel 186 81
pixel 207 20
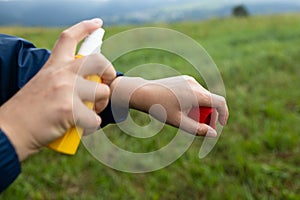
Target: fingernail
pixel 211 133
pixel 97 21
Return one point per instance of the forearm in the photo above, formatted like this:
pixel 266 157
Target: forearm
pixel 169 100
pixel 129 92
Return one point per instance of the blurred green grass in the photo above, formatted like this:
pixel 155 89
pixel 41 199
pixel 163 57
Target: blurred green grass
pixel 257 156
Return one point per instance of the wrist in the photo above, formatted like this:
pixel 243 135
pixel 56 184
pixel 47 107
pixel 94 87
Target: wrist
pixel 128 91
pixel 16 137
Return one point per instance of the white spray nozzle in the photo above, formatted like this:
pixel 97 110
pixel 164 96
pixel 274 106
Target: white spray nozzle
pixel 92 44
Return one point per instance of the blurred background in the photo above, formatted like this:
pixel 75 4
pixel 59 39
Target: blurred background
pixel 256 46
pixel 67 12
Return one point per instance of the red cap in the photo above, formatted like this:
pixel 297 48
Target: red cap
pixel 204 115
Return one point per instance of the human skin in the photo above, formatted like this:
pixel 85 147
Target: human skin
pixel 170 100
pixel 53 100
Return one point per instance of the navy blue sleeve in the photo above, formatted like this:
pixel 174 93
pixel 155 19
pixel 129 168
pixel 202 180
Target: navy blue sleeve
pixel 9 163
pixel 113 114
pixel 20 60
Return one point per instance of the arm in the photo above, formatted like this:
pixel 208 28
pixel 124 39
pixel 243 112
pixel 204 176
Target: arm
pixel 20 60
pixel 52 101
pixel 169 100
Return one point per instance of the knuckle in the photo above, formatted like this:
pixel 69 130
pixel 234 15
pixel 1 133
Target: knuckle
pixel 85 23
pixel 207 99
pixel 189 78
pixel 106 92
pixel 65 107
pixel 103 60
pixel 176 121
pixel 109 74
pixel 186 77
pixel 205 96
pixel 97 58
pixel 65 84
pixel 65 35
pixel 221 100
pixel 62 86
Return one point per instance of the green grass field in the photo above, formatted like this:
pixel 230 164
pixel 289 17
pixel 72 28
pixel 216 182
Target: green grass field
pixel 257 155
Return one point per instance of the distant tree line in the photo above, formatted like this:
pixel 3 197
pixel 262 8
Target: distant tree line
pixel 240 11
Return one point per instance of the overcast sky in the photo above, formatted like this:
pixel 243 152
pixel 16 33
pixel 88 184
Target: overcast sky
pixel 212 1
pixel 219 2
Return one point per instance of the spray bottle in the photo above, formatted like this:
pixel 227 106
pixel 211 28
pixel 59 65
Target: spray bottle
pixel 69 142
pixel 206 115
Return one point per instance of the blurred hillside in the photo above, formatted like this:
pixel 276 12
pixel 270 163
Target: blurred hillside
pixel 62 13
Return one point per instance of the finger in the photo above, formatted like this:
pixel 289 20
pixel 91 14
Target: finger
pixel 101 105
pixel 91 91
pixel 65 46
pixel 219 103
pixel 97 64
pixel 194 127
pixel 215 101
pixel 86 118
pixel 214 118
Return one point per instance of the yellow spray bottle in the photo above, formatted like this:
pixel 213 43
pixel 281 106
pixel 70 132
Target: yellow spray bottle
pixel 69 142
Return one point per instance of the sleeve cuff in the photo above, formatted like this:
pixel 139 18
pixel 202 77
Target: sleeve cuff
pixel 10 166
pixel 111 115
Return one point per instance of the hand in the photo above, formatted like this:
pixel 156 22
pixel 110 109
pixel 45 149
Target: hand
pixel 49 104
pixel 176 95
